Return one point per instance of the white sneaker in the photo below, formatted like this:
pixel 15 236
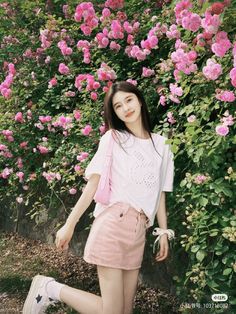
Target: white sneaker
pixel 38 300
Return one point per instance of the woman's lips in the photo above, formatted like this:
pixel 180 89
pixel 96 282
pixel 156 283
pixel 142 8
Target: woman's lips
pixel 129 114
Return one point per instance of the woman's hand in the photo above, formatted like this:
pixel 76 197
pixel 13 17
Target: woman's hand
pixel 164 248
pixel 63 237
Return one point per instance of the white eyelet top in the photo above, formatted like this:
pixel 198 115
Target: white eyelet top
pixel 137 176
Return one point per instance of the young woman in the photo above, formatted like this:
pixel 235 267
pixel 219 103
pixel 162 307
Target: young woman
pixel 142 171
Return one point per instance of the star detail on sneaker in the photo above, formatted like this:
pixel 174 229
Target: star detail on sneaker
pixel 39 298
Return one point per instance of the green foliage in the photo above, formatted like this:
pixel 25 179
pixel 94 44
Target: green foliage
pixel 201 210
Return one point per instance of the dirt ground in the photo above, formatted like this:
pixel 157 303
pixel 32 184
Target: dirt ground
pixel 21 259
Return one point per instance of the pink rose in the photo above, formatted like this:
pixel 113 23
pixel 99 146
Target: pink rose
pixel 222 130
pixel 72 191
pixel 52 82
pixel 63 69
pixel 19 117
pixel 86 130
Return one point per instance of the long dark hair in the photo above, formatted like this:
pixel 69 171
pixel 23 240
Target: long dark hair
pixel 110 117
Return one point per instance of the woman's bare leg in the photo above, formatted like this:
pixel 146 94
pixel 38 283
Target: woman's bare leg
pixel 111 302
pixel 130 278
pixel 112 289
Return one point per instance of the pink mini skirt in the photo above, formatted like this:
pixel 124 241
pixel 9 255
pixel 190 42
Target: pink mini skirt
pixel 117 238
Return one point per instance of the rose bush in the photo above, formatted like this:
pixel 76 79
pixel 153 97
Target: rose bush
pixel 58 61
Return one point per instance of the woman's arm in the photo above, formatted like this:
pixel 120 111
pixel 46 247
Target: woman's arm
pixel 84 201
pixel 162 222
pixel 65 233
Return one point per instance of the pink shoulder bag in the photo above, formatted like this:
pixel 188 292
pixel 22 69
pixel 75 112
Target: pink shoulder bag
pixel 102 194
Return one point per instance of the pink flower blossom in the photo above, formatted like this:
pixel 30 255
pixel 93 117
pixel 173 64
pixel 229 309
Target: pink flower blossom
pixel 184 61
pixel 217 8
pixel 94 96
pixel 87 130
pixel 52 82
pixel 23 144
pixel 63 69
pixel 106 73
pixel 192 22
pixel 6 173
pixel 232 75
pixel 211 23
pixel 117 31
pixel 20 175
pixel 65 50
pixel 175 99
pixel 45 119
pixel 173 32
pixel 19 117
pixel 114 46
pixel 222 44
pixel 134 82
pixel 199 179
pixel 42 149
pixel 77 168
pixel 72 191
pixel 147 72
pixel 162 100
pixel 3 147
pixel 227 119
pixel 222 130
pixel 191 118
pixel 77 115
pixel 212 70
pixel 19 163
pixel 175 90
pixel 50 176
pixel 106 12
pixel 227 96
pixel 70 94
pixel 102 129
pixel 114 4
pixel 82 156
pixel 170 117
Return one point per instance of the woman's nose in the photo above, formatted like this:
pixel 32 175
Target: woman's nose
pixel 126 107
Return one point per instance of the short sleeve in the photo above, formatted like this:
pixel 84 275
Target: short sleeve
pixel 96 164
pixel 169 173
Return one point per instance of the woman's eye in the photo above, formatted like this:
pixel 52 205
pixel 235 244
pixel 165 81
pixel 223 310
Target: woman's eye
pixel 129 99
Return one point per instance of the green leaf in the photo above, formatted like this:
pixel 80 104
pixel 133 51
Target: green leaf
pixel 212 284
pixel 203 201
pixel 200 255
pixel 195 248
pixel 227 271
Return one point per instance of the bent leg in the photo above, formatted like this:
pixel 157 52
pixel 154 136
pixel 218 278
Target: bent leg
pixel 82 301
pixel 111 285
pixel 112 300
pixel 130 278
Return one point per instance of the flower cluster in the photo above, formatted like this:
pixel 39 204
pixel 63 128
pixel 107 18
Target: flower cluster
pixel 221 45
pixel 226 121
pixel 114 4
pixel 184 61
pixel 212 70
pixel 85 11
pixel 65 50
pixel 6 84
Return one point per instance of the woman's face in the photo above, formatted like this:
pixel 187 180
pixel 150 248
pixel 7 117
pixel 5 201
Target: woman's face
pixel 127 107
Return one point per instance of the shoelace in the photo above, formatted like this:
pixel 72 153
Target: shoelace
pixel 159 232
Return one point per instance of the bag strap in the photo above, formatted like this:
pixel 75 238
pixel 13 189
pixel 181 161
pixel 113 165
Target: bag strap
pixel 107 163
